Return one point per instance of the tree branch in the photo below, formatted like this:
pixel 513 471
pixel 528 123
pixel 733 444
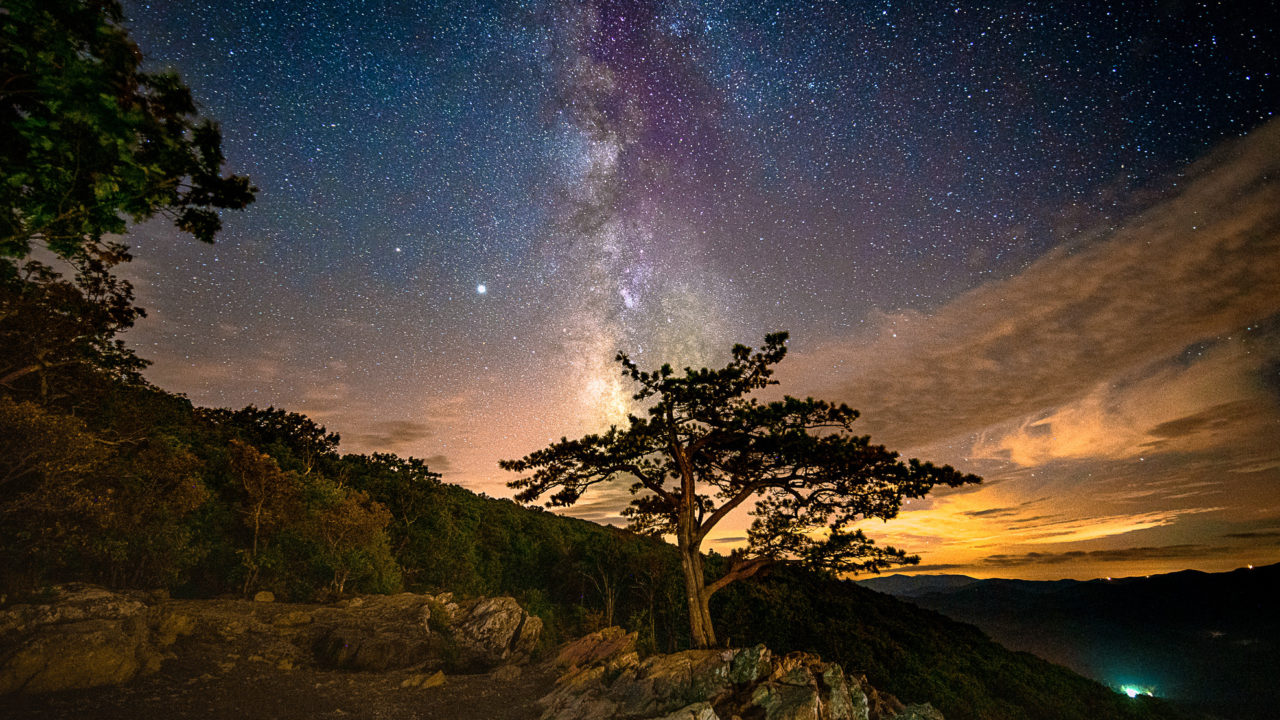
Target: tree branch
pixel 740 571
pixel 727 508
pixel 648 482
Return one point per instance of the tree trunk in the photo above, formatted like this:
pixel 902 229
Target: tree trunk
pixel 704 601
pixel 251 578
pixel 689 540
pixel 701 633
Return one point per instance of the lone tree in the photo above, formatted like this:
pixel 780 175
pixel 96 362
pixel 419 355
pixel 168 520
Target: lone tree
pixel 707 448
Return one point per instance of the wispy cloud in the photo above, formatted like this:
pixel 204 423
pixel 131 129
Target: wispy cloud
pixel 389 435
pixel 1255 535
pixel 1120 555
pixel 1116 313
pixel 1125 383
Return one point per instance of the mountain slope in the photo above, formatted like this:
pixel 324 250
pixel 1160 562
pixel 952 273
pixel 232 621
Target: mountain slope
pixel 575 574
pixel 913 653
pixel 1210 641
pixel 914 585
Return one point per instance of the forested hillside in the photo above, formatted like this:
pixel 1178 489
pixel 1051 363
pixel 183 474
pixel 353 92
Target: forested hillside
pixel 110 480
pixel 1216 648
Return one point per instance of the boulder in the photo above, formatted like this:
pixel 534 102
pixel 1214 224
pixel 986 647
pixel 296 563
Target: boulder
pixel 368 648
pixel 663 683
pixel 750 665
pixel 375 634
pixel 388 632
pixel 528 635
pixel 80 637
pixel 602 647
pixel 842 698
pixel 880 705
pixel 802 687
pixel 489 631
pixel 293 618
pixel 167 626
pixel 698 685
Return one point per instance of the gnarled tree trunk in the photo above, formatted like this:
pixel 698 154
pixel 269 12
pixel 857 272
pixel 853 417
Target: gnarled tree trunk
pixel 701 632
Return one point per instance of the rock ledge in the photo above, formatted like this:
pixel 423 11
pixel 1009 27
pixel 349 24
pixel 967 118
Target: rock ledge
pixel 603 677
pixel 83 636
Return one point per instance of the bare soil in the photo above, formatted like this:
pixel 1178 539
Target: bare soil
pixel 184 688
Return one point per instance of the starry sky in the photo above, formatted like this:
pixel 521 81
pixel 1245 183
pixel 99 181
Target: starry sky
pixel 1041 244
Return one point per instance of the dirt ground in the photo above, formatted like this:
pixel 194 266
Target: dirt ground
pixel 210 680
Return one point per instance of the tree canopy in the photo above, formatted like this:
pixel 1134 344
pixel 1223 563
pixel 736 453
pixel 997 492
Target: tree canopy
pixel 90 141
pixel 705 448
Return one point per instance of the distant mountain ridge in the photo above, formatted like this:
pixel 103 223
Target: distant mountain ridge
pixel 916 585
pixel 1208 640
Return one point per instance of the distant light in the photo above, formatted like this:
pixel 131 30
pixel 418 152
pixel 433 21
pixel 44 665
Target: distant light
pixel 481 289
pixel 1250 567
pixel 1134 691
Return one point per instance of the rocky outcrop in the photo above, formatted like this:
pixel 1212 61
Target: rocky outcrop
pixel 376 633
pixel 81 636
pixel 489 631
pixel 604 678
pixel 610 647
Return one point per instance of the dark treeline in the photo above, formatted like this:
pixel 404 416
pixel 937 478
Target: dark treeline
pixel 117 482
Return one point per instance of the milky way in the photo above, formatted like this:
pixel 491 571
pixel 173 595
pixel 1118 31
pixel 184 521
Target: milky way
pixel 1028 242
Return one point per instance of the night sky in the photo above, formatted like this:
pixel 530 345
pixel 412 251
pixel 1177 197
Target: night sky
pixel 1041 245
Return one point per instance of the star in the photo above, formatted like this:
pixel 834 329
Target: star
pixel 687 176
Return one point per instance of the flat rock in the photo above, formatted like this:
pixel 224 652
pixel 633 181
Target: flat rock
pixel 81 637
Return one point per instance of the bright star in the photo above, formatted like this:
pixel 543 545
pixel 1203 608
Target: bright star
pixel 481 289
